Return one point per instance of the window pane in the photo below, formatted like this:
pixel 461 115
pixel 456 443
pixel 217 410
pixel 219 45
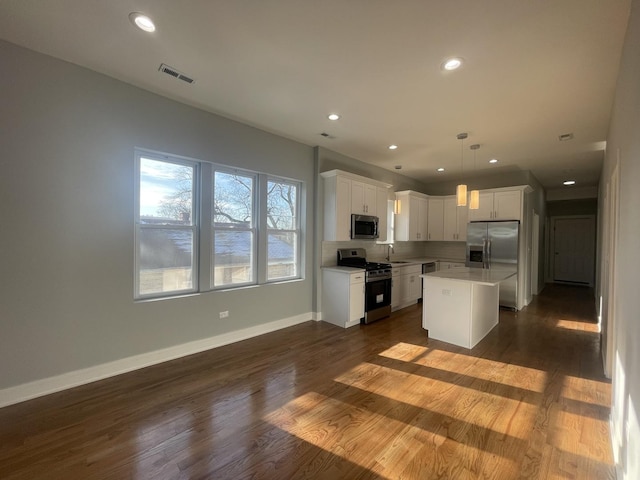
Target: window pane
pixel 281 205
pixel 282 253
pixel 233 200
pixel 166 193
pixel 166 260
pixel 233 257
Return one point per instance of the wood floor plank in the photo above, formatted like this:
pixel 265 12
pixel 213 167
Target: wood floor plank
pixel 379 401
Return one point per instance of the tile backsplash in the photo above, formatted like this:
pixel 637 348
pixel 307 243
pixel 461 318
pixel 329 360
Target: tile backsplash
pixel 378 252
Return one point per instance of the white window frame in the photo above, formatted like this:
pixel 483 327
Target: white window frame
pixel 193 228
pixel 253 229
pixel 203 228
pixel 296 230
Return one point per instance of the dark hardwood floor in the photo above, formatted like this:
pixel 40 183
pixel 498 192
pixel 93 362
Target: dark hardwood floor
pixel 317 401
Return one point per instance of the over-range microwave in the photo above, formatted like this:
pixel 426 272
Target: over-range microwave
pixel 364 226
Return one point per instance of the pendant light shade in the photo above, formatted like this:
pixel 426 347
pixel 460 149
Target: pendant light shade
pixel 461 189
pixel 461 194
pixel 474 198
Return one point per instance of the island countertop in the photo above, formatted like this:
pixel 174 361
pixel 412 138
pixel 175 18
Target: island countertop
pixel 476 275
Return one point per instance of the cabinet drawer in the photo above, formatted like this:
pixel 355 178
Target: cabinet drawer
pixel 357 277
pixel 411 269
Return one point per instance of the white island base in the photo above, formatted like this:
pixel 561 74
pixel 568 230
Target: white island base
pixel 461 307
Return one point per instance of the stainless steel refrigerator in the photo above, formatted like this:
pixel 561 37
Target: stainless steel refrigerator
pixel 495 245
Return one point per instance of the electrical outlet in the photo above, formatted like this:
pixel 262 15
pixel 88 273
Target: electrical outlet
pixel 224 314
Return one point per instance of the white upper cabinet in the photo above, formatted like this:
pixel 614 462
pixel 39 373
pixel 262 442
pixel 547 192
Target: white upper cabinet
pixel 337 209
pixel 346 193
pixel 498 205
pixel 507 205
pixel 411 219
pixel 382 211
pixel 435 216
pixel 363 198
pixel 455 220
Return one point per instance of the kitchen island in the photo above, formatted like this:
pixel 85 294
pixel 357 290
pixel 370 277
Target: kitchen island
pixel 460 306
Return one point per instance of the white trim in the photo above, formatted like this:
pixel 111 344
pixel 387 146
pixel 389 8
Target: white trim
pixel 45 386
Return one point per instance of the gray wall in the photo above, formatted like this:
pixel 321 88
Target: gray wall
pixel 67 208
pixel 623 148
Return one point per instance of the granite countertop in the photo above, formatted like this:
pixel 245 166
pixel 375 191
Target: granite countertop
pixel 475 275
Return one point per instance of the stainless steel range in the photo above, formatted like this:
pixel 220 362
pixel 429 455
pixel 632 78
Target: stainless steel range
pixel 377 300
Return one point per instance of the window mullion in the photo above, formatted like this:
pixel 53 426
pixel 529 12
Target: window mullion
pixel 205 249
pixel 261 228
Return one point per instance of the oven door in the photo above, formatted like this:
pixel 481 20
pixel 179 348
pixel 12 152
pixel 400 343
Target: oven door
pixel 377 301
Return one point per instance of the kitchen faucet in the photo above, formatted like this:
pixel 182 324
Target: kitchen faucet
pixel 389 251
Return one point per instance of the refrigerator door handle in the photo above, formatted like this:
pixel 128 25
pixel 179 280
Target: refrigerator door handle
pixel 488 253
pixel 485 253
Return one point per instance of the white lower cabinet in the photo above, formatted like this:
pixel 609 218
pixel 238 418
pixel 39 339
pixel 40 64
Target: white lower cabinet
pixel 342 296
pixel 406 286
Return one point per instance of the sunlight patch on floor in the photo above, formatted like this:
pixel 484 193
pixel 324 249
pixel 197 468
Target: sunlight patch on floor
pixel 407 388
pixel 578 325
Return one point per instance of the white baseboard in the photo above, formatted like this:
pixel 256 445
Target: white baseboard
pixel 45 386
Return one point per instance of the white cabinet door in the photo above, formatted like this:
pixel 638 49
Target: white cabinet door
pixel 356 300
pixel 411 222
pixel 396 290
pixel 485 212
pixel 450 223
pixel 357 197
pixel 363 198
pixel 423 219
pixel 455 220
pixel 415 284
pixel 415 225
pixel 410 284
pixel 435 219
pixel 507 205
pixel 382 211
pixel 370 203
pixel 337 209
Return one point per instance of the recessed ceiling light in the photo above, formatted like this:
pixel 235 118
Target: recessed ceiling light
pixel 333 116
pixel 452 64
pixel 493 160
pixel 440 169
pixel 569 182
pixel 142 22
pixel 393 147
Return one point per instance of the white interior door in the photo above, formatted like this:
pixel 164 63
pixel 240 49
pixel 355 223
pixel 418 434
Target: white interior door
pixel 574 249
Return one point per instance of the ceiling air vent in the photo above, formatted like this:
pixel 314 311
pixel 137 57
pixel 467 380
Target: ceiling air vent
pixel 565 136
pixel 164 68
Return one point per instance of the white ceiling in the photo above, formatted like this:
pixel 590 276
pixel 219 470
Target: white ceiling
pixel 533 70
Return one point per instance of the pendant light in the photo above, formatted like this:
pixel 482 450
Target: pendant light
pixel 474 197
pixel 461 189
